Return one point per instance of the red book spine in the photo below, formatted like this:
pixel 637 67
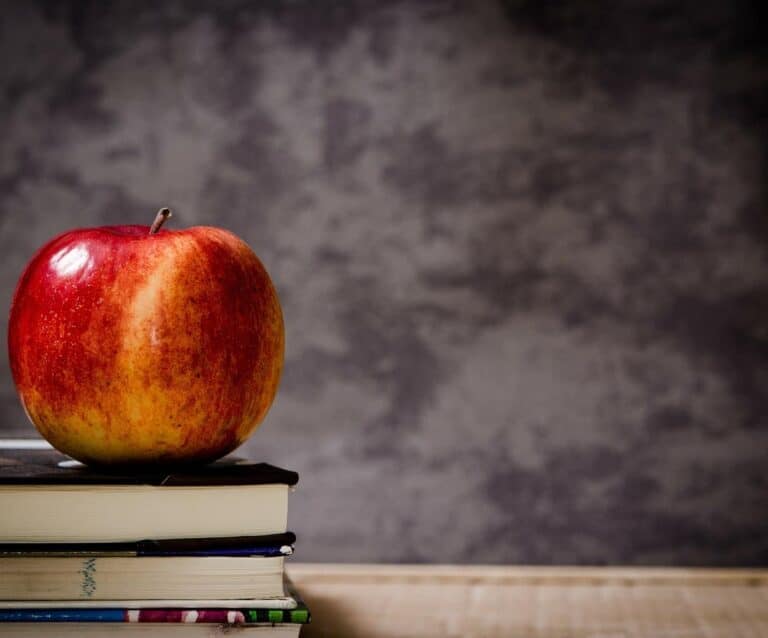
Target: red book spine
pixel 228 616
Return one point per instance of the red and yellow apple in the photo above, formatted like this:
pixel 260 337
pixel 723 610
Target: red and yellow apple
pixel 131 344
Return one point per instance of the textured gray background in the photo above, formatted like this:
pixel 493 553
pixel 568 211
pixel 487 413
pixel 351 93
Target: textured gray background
pixel 521 250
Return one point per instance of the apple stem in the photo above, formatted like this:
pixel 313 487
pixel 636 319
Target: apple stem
pixel 162 215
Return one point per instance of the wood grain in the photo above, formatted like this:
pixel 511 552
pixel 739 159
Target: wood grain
pixel 536 602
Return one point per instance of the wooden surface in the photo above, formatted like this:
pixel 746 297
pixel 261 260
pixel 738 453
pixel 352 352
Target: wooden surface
pixel 532 602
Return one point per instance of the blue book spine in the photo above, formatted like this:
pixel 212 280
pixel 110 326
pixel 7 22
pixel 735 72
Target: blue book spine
pixel 62 615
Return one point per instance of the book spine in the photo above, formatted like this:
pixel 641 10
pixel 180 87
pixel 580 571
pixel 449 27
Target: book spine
pixel 62 615
pixel 224 616
pixel 266 552
pixel 213 616
pixel 220 616
pixel 266 545
pixel 300 616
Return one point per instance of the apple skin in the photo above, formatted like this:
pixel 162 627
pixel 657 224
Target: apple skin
pixel 134 348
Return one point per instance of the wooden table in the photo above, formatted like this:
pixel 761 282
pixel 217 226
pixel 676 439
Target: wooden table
pixel 532 602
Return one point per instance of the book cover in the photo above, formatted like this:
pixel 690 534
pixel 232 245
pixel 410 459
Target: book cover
pixel 290 609
pixel 267 545
pixel 34 463
pixel 299 615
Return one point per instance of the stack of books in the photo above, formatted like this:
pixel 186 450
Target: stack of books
pixel 188 552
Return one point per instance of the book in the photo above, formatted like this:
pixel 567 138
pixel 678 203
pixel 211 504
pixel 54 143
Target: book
pixel 134 620
pixel 146 630
pixel 119 578
pixel 285 602
pixel 269 545
pixel 57 500
pixel 234 616
pixel 187 551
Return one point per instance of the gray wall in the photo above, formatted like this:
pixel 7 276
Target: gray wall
pixel 521 250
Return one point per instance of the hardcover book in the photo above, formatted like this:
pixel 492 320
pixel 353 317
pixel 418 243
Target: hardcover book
pixel 56 500
pixel 155 577
pixel 145 630
pixel 298 615
pixel 204 620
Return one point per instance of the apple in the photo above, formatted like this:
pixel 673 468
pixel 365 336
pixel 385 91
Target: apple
pixel 137 344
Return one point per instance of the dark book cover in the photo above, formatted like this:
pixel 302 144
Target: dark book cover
pixel 267 545
pixel 28 464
